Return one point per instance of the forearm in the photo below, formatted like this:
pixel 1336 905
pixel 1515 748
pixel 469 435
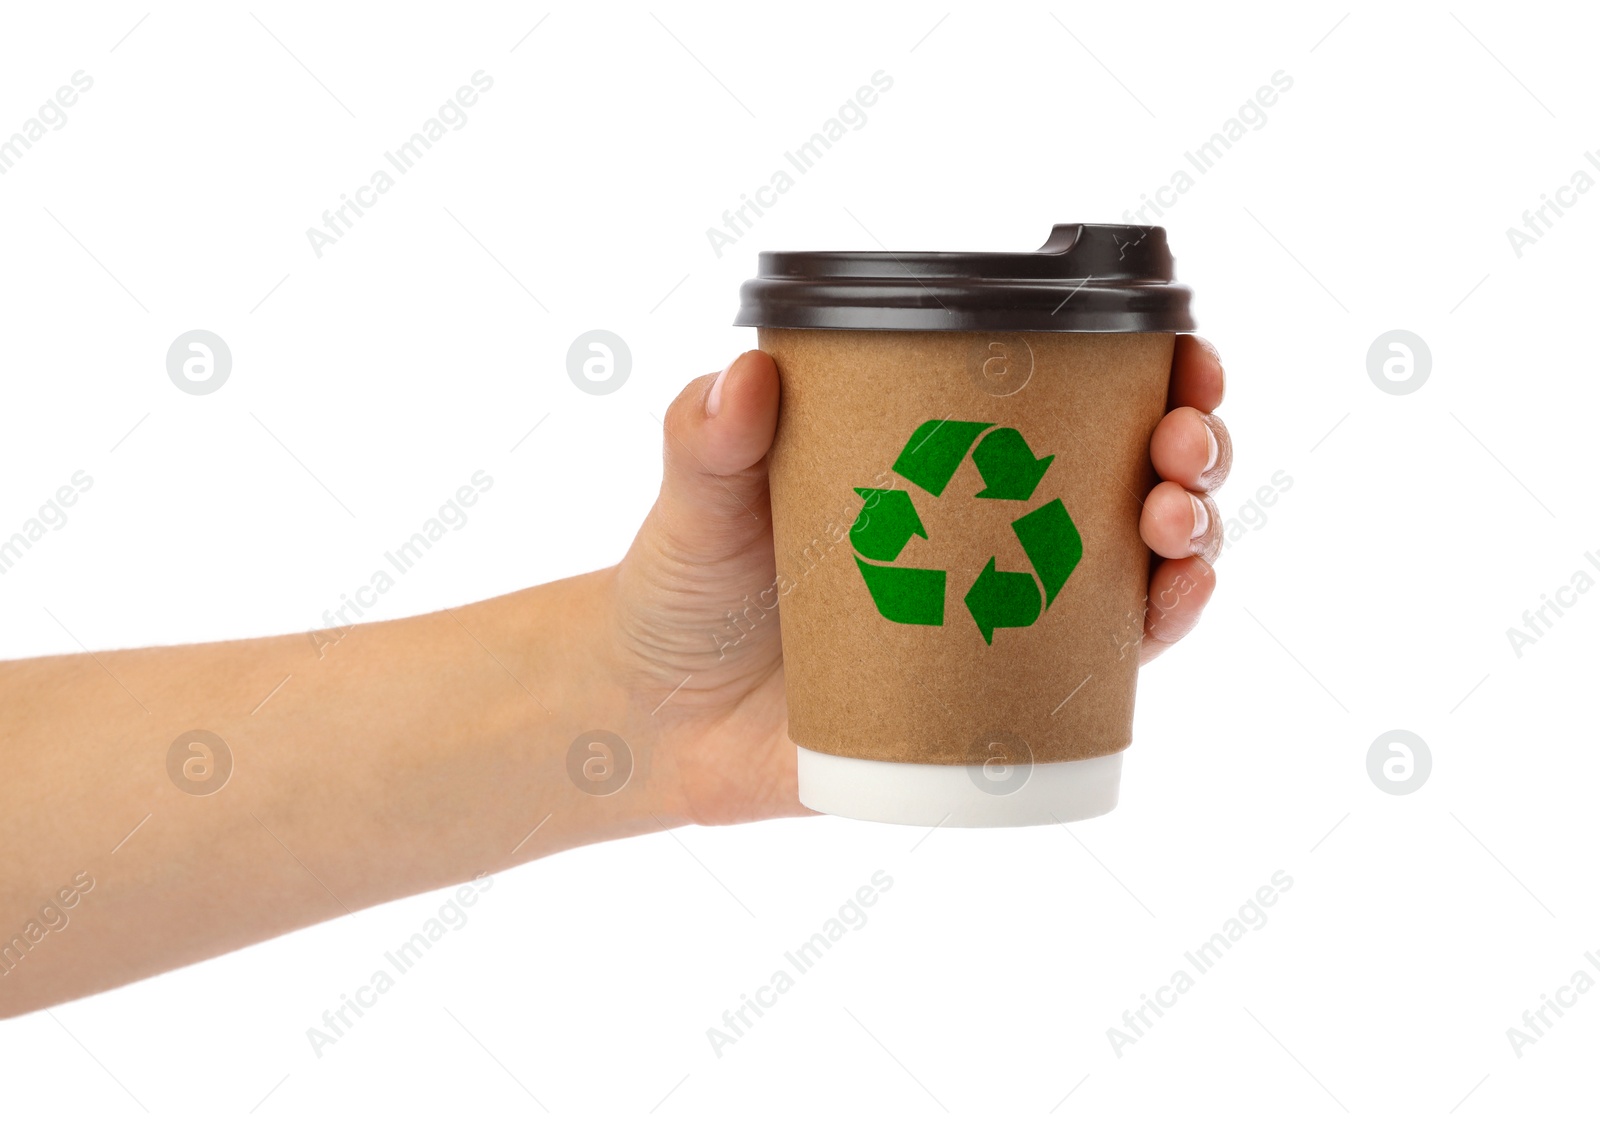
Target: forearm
pixel 367 764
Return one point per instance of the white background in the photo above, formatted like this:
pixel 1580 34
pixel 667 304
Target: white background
pixel 370 383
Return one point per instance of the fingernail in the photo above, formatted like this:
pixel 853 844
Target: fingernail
pixel 1202 517
pixel 714 396
pixel 1212 449
pixel 1217 356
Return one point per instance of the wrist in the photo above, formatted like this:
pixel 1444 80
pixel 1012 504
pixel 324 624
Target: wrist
pixel 595 735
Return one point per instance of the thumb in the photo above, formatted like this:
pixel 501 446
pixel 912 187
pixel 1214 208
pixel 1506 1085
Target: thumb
pixel 713 503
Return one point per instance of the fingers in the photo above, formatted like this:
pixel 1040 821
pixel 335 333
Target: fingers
pixel 1197 379
pixel 1192 449
pixel 1176 523
pixel 718 431
pixel 1179 591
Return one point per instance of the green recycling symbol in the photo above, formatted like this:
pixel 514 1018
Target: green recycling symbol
pixel 997 599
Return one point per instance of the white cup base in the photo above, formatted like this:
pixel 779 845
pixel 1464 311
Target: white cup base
pixel 932 794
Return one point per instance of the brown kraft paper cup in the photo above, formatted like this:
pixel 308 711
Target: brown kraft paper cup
pixel 959 468
pixel 863 686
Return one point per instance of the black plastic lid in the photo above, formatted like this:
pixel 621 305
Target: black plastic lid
pixel 1087 278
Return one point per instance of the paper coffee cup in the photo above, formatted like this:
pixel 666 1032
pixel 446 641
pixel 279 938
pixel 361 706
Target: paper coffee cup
pixel 961 459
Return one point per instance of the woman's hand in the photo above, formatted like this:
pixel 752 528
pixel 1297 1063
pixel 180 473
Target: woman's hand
pixel 701 659
pixel 407 755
